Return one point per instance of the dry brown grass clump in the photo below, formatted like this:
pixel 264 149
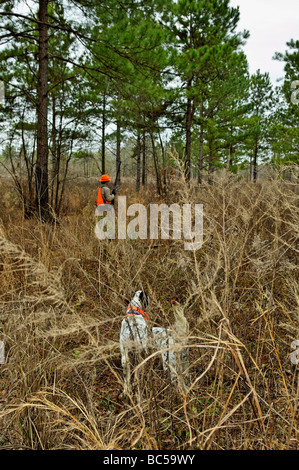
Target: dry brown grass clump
pixel 61 304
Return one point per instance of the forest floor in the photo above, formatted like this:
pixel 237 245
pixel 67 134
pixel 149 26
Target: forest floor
pixel 62 297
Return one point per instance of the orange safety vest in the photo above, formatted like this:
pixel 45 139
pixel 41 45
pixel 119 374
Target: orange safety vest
pixel 100 200
pixel 132 307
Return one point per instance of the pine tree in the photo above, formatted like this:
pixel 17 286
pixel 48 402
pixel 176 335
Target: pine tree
pixel 223 112
pixel 261 100
pixel 285 123
pixel 202 30
pixel 38 81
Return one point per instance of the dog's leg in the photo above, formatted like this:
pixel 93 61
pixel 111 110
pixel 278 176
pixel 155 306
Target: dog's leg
pixel 172 359
pixel 141 352
pixel 163 340
pixel 125 362
pixel 181 366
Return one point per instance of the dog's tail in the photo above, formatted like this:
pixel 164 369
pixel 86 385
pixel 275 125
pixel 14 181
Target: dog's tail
pixel 181 325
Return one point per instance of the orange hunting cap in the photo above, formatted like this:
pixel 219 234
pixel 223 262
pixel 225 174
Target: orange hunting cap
pixel 104 178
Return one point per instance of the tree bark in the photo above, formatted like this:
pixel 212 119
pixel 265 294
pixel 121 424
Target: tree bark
pixel 59 138
pixel 159 188
pixel 41 170
pixel 29 196
pixel 255 160
pixel 230 152
pixel 138 161
pixel 229 156
pixel 210 167
pixel 201 140
pixel 200 157
pixel 103 132
pixel 54 151
pixel 191 106
pixel 143 177
pixel 188 140
pixel 118 142
pixel 164 176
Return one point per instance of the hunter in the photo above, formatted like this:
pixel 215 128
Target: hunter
pixel 104 197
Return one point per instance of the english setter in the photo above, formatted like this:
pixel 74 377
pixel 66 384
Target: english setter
pixel 136 337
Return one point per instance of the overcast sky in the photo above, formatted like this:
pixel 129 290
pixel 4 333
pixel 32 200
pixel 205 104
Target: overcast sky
pixel 271 24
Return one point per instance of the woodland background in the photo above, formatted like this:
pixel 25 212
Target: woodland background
pixel 96 83
pixel 164 88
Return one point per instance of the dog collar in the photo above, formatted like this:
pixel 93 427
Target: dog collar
pixel 131 309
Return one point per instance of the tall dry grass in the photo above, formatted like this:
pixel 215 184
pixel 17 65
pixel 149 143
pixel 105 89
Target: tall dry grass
pixel 61 386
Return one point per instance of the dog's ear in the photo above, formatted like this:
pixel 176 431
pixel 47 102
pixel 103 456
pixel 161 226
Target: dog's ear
pixel 146 299
pixel 143 297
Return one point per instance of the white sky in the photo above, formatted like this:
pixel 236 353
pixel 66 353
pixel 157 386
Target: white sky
pixel 272 23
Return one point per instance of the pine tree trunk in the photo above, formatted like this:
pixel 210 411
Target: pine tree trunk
pixel 118 142
pixel 159 189
pixel 164 175
pixel 117 180
pixel 200 157
pixel 41 170
pixel 143 178
pixel 230 152
pixel 188 140
pixel 138 161
pixel 27 201
pixel 103 133
pixel 54 151
pixel 191 105
pixel 229 157
pixel 211 167
pixel 255 160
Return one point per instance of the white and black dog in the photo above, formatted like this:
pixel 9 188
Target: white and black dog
pixel 135 336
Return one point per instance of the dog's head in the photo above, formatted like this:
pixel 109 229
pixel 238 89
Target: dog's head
pixel 140 299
